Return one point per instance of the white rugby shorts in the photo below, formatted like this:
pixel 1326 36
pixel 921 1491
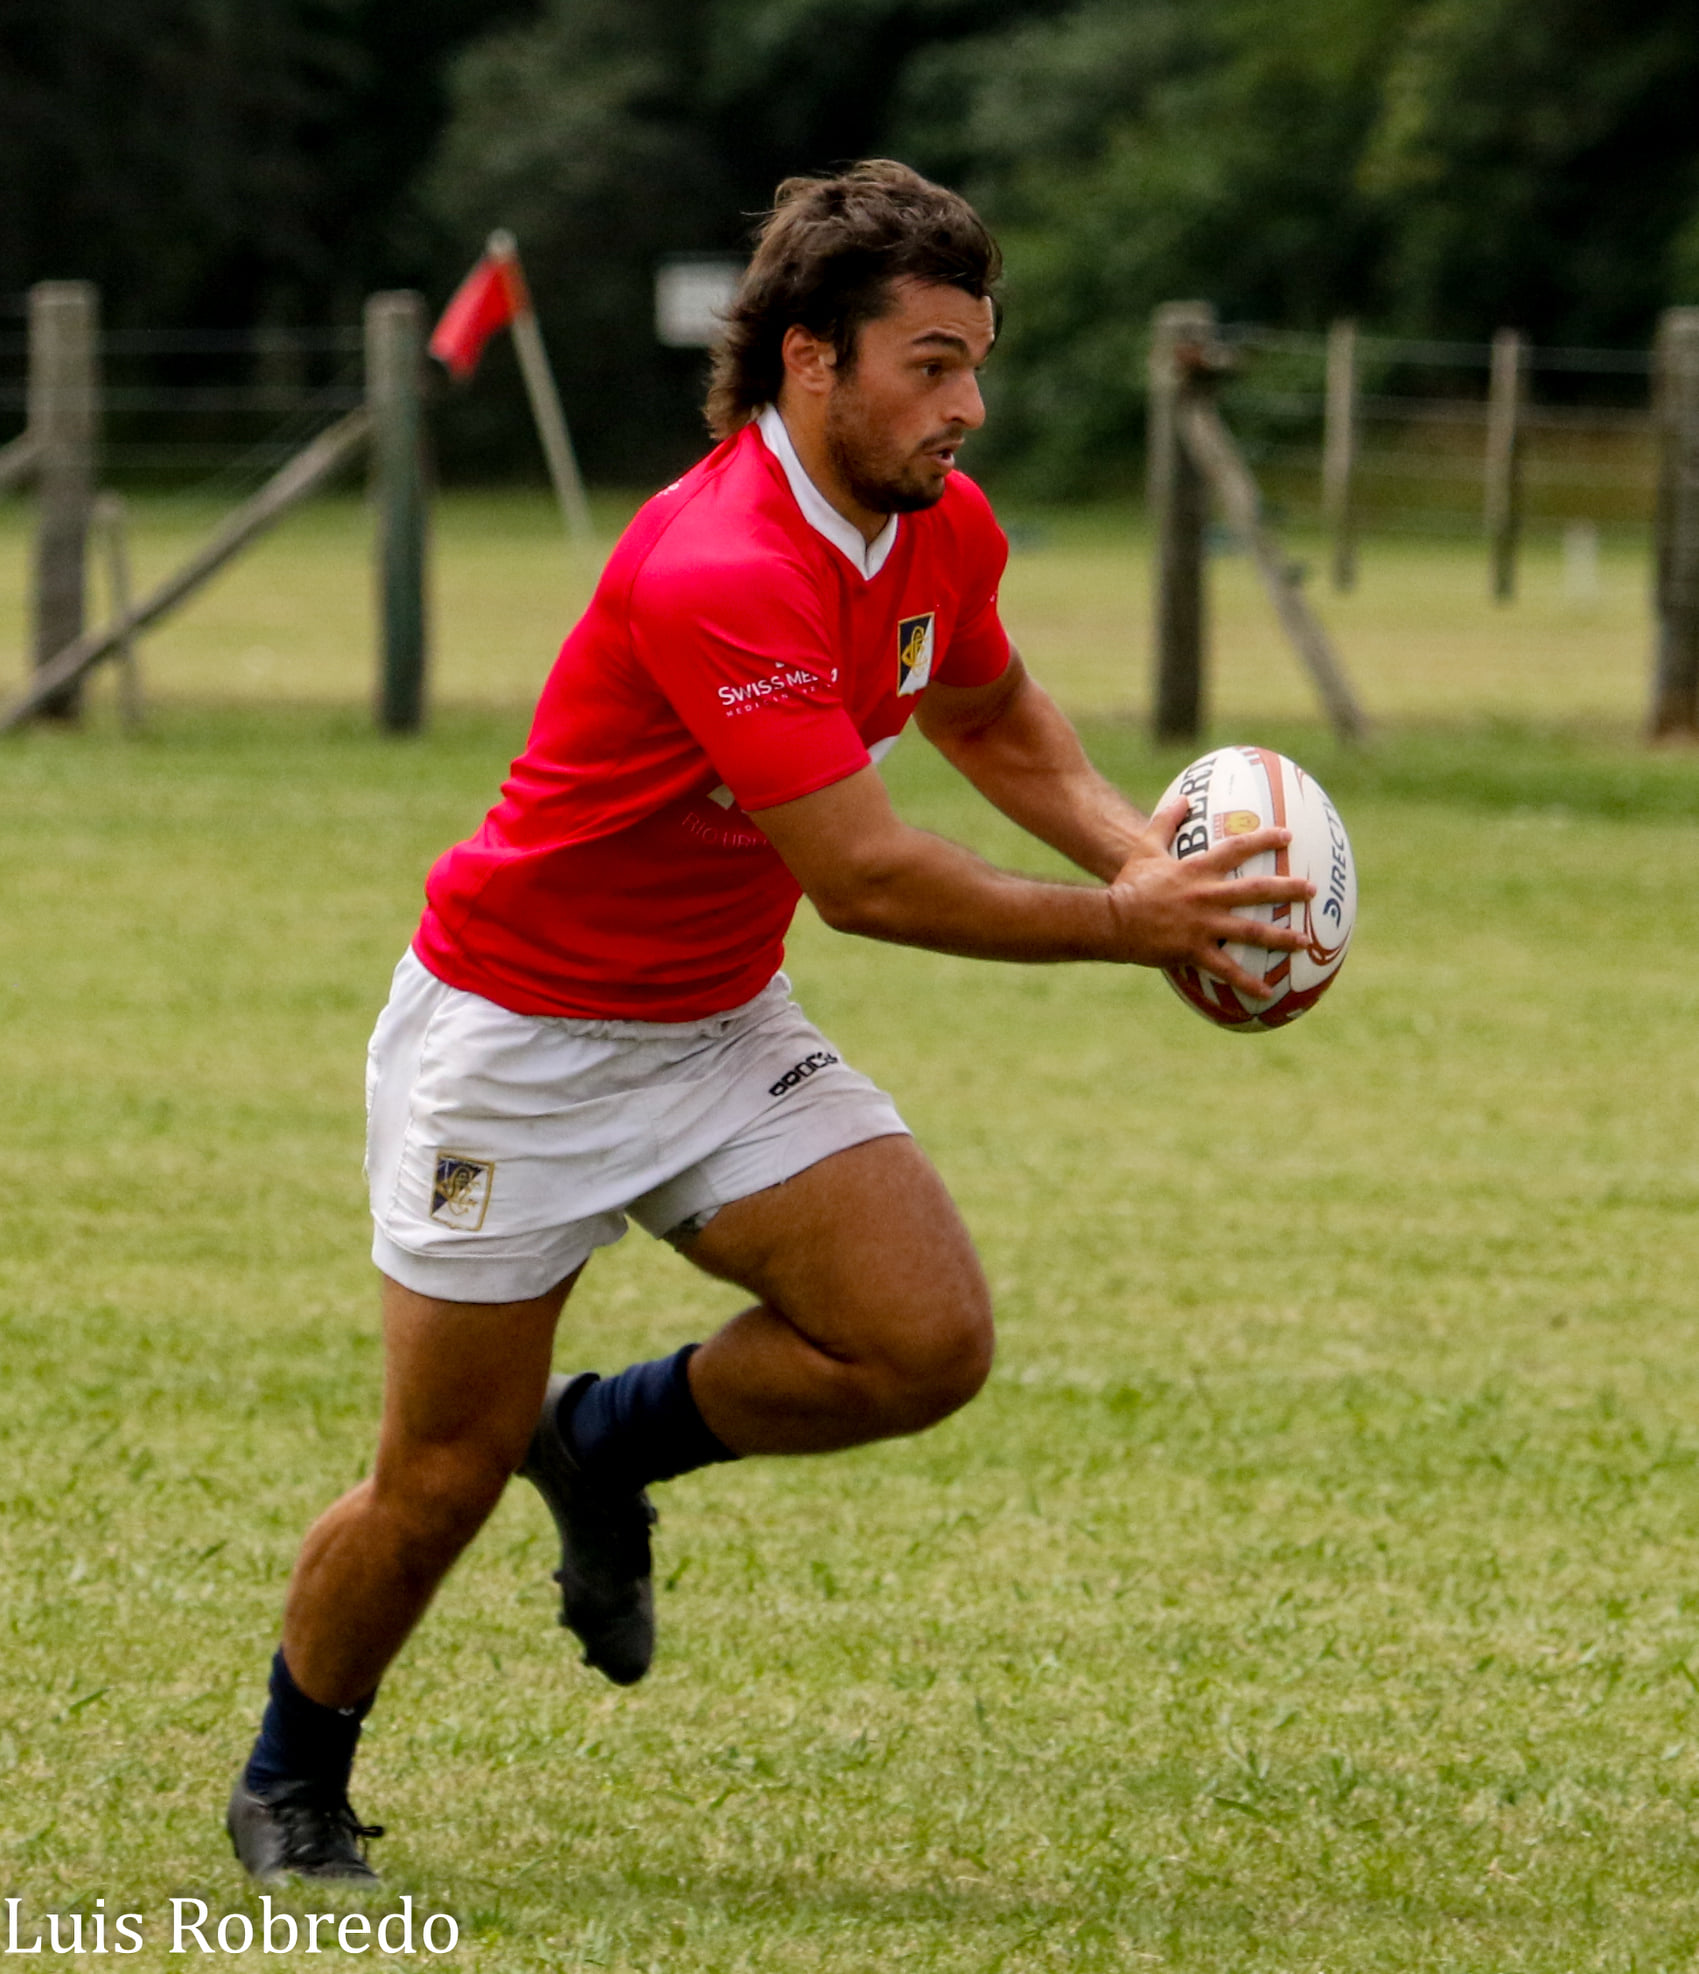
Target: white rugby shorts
pixel 502 1149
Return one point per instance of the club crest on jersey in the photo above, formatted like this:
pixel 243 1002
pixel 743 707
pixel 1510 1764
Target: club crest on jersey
pixel 915 639
pixel 460 1193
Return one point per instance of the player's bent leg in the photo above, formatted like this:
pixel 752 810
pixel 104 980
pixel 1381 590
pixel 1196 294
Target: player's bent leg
pixel 463 1383
pixel 874 1321
pixel 874 1316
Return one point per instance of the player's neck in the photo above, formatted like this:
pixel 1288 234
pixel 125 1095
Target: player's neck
pixel 805 422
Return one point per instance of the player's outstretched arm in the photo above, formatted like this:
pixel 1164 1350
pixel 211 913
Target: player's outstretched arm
pixel 1018 748
pixel 868 872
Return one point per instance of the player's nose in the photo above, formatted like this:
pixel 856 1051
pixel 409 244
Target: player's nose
pixel 967 406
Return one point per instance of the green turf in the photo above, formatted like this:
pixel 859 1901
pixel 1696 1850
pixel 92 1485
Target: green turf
pixel 1316 1585
pixel 292 619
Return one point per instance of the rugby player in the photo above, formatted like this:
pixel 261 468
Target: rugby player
pixel 591 1023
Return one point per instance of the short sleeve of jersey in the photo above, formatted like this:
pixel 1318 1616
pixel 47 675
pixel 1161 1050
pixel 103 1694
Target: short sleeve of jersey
pixel 744 658
pixel 978 652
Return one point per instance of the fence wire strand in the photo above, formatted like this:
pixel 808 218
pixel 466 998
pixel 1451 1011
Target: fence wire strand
pixel 250 422
pixel 1421 411
pixel 205 415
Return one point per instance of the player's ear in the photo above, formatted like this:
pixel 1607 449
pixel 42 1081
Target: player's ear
pixel 809 360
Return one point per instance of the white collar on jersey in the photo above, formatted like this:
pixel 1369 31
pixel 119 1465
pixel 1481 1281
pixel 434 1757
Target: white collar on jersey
pixel 868 556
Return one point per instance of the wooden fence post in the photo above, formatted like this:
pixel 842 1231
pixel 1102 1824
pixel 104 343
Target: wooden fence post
pixel 1504 458
pixel 64 418
pixel 1675 405
pixel 297 477
pixel 395 368
pixel 1339 451
pixel 1223 469
pixel 1180 332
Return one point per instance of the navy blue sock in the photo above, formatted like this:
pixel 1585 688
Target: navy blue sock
pixel 300 1741
pixel 642 1425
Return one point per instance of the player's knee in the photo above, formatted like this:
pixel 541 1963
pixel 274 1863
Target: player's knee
pixel 962 1366
pixel 439 1499
pixel 945 1362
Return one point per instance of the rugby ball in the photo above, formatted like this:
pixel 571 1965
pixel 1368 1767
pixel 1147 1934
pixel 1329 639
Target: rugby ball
pixel 1228 794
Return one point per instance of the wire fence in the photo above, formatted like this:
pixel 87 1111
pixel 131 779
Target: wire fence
pixel 1587 453
pixel 207 416
pixel 204 413
pixel 210 413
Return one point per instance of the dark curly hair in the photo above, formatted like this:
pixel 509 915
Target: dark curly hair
pixel 826 257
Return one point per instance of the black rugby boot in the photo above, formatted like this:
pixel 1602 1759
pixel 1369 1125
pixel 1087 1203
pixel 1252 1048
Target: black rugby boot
pixel 607 1591
pixel 302 1831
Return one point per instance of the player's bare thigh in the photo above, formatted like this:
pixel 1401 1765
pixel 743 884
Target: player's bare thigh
pixel 866 1258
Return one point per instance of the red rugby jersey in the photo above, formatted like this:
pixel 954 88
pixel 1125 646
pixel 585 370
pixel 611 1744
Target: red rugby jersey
pixel 744 647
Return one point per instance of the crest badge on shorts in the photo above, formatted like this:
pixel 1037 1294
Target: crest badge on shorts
pixel 915 639
pixel 460 1193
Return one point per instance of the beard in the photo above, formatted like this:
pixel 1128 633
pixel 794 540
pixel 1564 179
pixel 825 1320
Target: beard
pixel 882 478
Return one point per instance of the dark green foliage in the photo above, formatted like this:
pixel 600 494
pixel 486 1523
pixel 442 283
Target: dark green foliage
pixel 1431 166
pixel 578 134
pixel 216 163
pixel 1132 155
pixel 611 132
pixel 1534 161
pixel 1435 166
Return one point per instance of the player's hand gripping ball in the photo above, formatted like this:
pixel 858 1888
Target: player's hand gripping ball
pixel 1230 793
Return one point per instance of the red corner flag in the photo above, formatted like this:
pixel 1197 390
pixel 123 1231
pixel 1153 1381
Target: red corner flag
pixel 492 295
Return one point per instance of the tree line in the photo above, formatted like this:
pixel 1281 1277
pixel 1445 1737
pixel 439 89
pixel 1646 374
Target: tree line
pixel 1435 167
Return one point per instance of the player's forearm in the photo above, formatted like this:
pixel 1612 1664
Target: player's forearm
pixel 869 872
pixel 926 891
pixel 1075 811
pixel 1029 763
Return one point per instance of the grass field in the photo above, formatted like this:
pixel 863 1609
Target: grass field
pixel 293 619
pixel 1315 1586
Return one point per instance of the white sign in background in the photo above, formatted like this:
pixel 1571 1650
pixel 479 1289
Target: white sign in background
pixel 692 294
